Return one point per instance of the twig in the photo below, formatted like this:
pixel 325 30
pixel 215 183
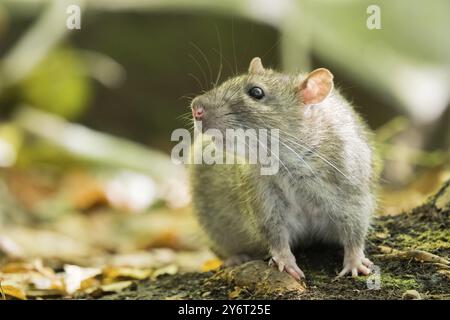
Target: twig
pixel 418 255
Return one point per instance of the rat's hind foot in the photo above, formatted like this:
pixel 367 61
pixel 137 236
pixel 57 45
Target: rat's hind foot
pixel 286 261
pixel 236 260
pixel 355 262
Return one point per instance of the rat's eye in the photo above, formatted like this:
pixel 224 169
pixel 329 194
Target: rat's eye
pixel 256 92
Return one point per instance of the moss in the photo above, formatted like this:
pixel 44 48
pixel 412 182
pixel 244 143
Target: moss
pixel 388 281
pixel 430 240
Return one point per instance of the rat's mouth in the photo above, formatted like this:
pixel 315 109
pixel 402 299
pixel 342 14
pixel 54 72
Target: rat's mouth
pixel 212 128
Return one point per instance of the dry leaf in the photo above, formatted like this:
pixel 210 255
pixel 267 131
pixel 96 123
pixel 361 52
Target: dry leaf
pixel 180 296
pixel 14 291
pixel 75 275
pixel 109 288
pixel 170 269
pixel 235 293
pixel 211 264
pixel 445 273
pixel 17 267
pixel 382 235
pixel 117 286
pixel 89 283
pixel 142 259
pixel 44 293
pixel 48 244
pixel 41 282
pixel 112 273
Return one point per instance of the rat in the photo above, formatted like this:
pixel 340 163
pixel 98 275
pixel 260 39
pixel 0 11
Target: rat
pixel 324 190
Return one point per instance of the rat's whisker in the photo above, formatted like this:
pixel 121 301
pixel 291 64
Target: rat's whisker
pixel 225 101
pixel 204 58
pixel 299 156
pixel 227 61
pixel 219 74
pixel 319 155
pixel 184 116
pixel 196 79
pixel 199 66
pixel 187 97
pixel 271 152
pixel 234 46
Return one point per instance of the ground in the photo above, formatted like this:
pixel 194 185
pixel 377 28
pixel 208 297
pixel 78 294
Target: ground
pixel 94 251
pixel 411 250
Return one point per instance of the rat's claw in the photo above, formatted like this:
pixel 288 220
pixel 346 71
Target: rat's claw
pixel 355 264
pixel 343 272
pixel 364 270
pixel 286 262
pixel 367 263
pixel 296 272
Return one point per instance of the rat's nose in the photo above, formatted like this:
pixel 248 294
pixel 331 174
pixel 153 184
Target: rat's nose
pixel 198 112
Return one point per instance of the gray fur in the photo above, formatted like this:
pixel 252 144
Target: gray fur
pixel 245 213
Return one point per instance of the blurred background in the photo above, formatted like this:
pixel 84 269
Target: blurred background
pixel 86 181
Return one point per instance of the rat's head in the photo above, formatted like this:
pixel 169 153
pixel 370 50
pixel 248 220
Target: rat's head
pixel 261 98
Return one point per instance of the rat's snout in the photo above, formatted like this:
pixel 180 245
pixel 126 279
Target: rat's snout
pixel 198 110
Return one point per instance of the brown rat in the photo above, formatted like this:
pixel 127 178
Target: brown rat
pixel 324 190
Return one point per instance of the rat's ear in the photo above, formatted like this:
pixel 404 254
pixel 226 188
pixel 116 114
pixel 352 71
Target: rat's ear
pixel 256 66
pixel 317 86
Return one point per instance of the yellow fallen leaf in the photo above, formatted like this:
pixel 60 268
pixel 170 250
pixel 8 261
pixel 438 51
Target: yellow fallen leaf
pixel 125 272
pixel 235 293
pixel 381 235
pixel 117 286
pixel 89 283
pixel 211 264
pixel 13 291
pixel 44 293
pixel 109 288
pixel 17 267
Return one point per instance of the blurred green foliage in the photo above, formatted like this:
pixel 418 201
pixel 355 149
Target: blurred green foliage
pixel 172 50
pixel 59 84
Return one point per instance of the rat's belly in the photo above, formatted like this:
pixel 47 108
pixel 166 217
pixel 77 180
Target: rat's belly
pixel 311 226
pixel 310 218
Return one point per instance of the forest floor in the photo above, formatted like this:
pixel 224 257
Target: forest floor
pixel 410 250
pixel 97 254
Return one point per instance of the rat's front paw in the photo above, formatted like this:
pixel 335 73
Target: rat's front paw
pixel 355 263
pixel 286 261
